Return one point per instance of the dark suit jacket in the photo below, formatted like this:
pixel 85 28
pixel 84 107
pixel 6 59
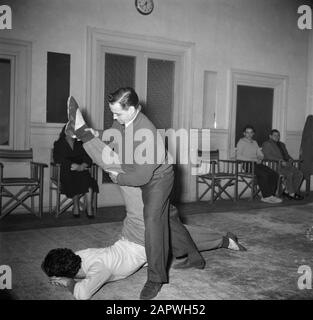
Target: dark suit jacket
pixel 272 151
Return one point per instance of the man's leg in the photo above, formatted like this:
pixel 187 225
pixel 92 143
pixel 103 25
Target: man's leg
pixel 297 179
pixel 102 154
pixel 267 180
pixel 199 238
pixel 288 175
pixel 155 196
pixel 182 244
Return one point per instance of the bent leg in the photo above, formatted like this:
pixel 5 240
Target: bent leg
pixel 188 240
pixel 204 238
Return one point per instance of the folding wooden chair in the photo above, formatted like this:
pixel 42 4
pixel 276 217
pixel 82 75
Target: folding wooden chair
pixel 217 176
pixel 246 175
pixel 66 203
pixel 29 187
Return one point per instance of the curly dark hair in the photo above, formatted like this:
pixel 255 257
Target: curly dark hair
pixel 61 262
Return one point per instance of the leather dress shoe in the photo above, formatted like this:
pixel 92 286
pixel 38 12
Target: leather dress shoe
pixel 186 264
pixel 150 290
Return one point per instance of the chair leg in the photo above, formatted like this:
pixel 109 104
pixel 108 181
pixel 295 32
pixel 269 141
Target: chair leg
pixel 94 203
pixel 307 186
pixel 41 199
pixel 32 204
pixel 50 198
pixel 57 206
pixel 236 190
pixel 1 190
pixel 212 191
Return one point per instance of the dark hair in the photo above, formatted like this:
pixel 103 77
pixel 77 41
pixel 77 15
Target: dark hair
pixel 127 97
pixel 61 262
pixel 248 127
pixel 274 131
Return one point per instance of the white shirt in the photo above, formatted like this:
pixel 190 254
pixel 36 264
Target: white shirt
pixel 103 265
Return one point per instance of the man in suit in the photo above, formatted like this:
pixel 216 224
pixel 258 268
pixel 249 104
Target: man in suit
pixel 274 149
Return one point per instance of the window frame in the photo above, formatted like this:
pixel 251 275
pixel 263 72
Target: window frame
pixel 12 95
pixel 21 54
pixel 141 74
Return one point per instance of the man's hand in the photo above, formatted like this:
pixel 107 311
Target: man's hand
pixel 113 176
pixel 79 167
pixel 93 131
pixel 60 281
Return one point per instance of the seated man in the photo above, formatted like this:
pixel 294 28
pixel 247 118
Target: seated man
pixel 86 271
pixel 248 150
pixel 274 149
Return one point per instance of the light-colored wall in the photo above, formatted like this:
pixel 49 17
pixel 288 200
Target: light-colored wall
pixel 253 35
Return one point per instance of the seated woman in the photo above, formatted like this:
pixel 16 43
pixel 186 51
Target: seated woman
pixel 248 150
pixel 75 177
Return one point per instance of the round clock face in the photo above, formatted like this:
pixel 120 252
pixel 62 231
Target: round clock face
pixel 144 6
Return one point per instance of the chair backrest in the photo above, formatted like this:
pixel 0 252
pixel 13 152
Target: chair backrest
pixel 54 169
pixel 205 158
pixel 16 155
pixel 272 164
pixel 209 155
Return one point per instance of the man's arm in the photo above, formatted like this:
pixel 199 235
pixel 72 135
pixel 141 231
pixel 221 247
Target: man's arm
pixel 98 274
pixel 269 153
pixel 286 152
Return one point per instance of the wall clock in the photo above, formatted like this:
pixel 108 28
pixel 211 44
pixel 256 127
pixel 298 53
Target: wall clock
pixel 144 6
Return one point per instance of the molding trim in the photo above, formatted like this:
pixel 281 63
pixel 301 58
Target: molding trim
pixel 46 129
pixel 258 79
pixel 293 134
pixel 21 54
pixel 99 39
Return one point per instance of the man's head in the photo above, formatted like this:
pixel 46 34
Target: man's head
pixel 275 135
pixel 248 132
pixel 61 262
pixel 123 103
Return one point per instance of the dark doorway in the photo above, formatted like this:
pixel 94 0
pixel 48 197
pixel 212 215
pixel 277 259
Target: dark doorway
pixel 254 107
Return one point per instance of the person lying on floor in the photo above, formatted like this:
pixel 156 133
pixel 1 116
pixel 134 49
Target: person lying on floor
pixel 84 272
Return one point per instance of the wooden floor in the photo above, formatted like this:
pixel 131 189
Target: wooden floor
pixel 16 222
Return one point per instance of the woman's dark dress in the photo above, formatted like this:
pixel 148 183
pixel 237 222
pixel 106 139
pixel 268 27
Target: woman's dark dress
pixel 73 182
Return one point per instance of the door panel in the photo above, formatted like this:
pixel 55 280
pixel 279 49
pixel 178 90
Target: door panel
pixel 254 107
